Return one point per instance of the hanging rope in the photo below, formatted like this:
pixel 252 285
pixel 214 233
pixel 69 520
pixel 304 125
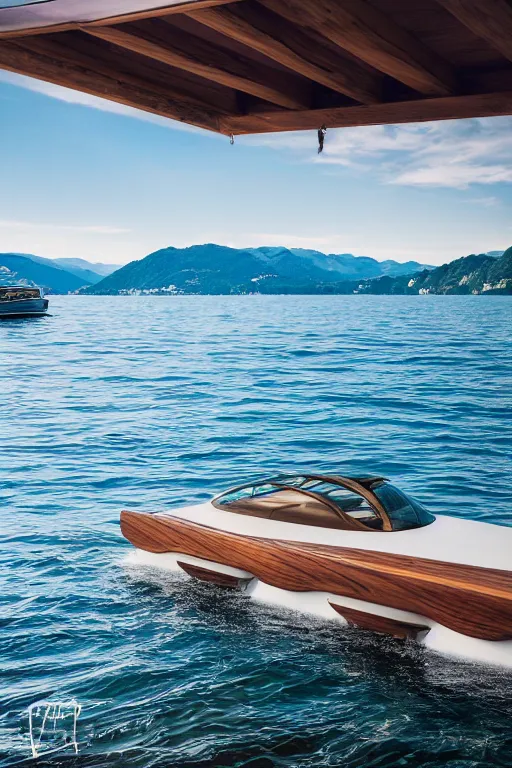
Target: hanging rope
pixel 231 139
pixel 321 134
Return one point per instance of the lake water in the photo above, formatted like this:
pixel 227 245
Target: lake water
pixel 149 403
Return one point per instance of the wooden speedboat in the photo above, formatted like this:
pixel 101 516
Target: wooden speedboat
pixel 22 301
pixel 354 549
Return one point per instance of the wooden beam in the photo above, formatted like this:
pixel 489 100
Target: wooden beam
pixel 306 54
pixel 366 32
pixel 17 59
pixel 488 19
pixel 157 12
pixel 76 49
pixel 420 110
pixel 212 63
pixel 119 19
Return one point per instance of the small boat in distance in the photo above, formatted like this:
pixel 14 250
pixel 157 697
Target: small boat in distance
pixel 22 301
pixel 357 550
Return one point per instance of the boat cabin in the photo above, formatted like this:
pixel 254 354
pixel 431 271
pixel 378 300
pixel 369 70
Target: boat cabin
pixel 344 503
pixel 19 293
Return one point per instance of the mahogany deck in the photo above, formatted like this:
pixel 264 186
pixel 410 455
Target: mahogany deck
pixel 249 66
pixel 471 600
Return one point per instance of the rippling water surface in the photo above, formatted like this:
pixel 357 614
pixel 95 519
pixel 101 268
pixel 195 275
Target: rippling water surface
pixel 150 403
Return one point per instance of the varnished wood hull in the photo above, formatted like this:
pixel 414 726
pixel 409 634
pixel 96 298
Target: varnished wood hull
pixel 219 578
pixel 470 600
pixel 380 624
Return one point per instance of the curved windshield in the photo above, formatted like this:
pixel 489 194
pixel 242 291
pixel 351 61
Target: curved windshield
pixel 304 500
pixel 369 503
pixel 403 511
pixel 349 502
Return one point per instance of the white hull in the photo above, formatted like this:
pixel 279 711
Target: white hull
pixel 439 638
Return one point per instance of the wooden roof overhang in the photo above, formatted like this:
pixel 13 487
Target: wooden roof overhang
pixel 254 66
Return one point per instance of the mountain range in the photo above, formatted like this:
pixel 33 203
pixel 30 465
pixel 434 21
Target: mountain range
pixel 217 269
pixel 53 275
pixel 475 274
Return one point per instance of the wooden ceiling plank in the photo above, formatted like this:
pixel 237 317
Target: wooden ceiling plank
pixel 76 50
pixel 253 27
pixel 119 19
pixel 32 64
pixel 213 64
pixel 420 110
pixel 366 32
pixel 157 12
pixel 15 34
pixel 489 19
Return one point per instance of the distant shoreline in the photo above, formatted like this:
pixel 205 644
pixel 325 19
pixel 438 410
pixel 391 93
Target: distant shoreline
pixel 269 295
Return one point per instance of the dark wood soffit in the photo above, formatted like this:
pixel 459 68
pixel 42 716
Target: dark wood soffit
pixel 119 19
pixel 292 47
pixel 17 59
pixel 366 32
pixel 489 19
pixel 212 63
pixel 419 110
pixel 80 50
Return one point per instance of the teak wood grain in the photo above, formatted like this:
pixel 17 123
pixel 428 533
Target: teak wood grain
pixel 382 624
pixel 470 600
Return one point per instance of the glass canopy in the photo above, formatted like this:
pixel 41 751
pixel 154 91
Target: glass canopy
pixel 346 503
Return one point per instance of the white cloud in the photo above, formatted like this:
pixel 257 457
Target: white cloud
pixel 458 175
pixel 453 153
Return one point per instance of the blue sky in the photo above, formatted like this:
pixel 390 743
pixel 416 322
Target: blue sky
pixel 87 178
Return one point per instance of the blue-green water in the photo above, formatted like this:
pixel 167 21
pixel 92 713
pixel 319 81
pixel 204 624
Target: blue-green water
pixel 149 403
